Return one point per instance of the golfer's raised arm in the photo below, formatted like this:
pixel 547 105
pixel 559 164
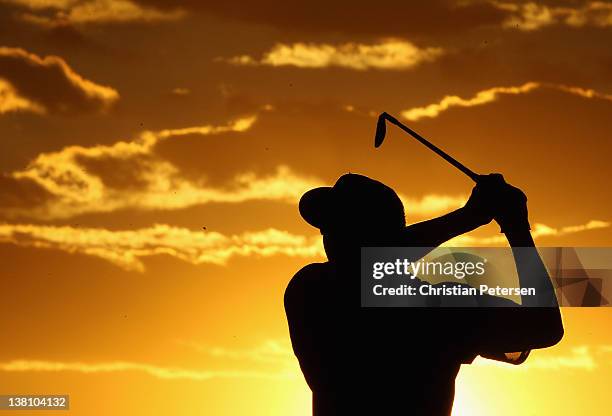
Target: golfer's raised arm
pixel 537 323
pixel 432 233
pixel 531 270
pixel 510 212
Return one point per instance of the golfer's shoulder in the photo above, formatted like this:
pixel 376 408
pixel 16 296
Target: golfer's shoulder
pixel 307 278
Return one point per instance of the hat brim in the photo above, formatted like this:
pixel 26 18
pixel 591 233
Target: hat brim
pixel 315 206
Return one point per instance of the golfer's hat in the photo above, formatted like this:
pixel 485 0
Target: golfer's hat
pixel 355 202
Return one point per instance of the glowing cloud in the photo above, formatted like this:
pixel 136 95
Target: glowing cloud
pixel 492 94
pixel 274 351
pixel 538 230
pixel 583 92
pixel 126 248
pixel 481 97
pixel 164 373
pixel 386 55
pixel 181 91
pixel 275 354
pixel 580 357
pixel 164 189
pixel 11 101
pixel 75 190
pixel 65 12
pixel 528 16
pixel 43 4
pixel 533 16
pixel 51 84
pixel 432 204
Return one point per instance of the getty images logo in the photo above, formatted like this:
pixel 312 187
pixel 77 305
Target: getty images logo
pixel 414 269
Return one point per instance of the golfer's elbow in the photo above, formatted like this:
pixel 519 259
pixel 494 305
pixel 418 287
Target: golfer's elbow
pixel 558 336
pixel 556 333
pixel 549 332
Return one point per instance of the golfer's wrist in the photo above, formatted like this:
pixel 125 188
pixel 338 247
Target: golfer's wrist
pixel 515 225
pixel 472 217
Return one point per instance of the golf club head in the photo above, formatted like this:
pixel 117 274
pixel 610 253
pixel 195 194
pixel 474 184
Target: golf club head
pixel 381 130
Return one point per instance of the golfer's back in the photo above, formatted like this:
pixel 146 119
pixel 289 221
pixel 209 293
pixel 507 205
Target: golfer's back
pixel 383 361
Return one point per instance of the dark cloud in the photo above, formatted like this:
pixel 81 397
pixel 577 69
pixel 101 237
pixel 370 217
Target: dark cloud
pixel 116 173
pixel 59 13
pixel 52 84
pixel 17 193
pixel 392 17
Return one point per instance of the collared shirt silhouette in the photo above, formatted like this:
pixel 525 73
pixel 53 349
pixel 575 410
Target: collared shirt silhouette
pixel 403 361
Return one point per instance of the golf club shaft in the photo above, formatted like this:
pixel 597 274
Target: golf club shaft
pixel 474 176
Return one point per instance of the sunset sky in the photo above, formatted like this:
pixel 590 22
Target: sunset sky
pixel 153 153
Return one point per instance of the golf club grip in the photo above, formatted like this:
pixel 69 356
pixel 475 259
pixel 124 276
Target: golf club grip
pixel 471 174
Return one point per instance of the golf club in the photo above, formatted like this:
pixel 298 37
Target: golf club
pixel 381 131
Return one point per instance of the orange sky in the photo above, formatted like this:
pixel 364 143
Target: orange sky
pixel 153 153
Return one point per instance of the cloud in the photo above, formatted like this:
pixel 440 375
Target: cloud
pixel 386 55
pixel 542 230
pixel 391 18
pixel 271 351
pixel 50 85
pixel 43 4
pixel 75 190
pixel 127 248
pixel 71 188
pixel 54 13
pixel 527 16
pixel 181 91
pixel 492 94
pixel 275 355
pixel 11 101
pixel 481 97
pixel 432 204
pixel 582 92
pixel 538 231
pixel 533 16
pixel 580 358
pixel 161 187
pixel 163 373
pixel 134 175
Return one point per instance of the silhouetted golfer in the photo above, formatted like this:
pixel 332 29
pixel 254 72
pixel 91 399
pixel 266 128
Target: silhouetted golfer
pixel 403 361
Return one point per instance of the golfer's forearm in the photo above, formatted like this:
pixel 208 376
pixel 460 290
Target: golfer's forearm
pixel 531 270
pixel 432 233
pixel 528 326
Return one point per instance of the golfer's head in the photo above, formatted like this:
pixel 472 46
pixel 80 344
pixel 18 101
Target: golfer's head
pixel 355 211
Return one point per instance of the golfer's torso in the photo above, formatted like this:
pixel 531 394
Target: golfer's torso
pixel 408 394
pixel 387 361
